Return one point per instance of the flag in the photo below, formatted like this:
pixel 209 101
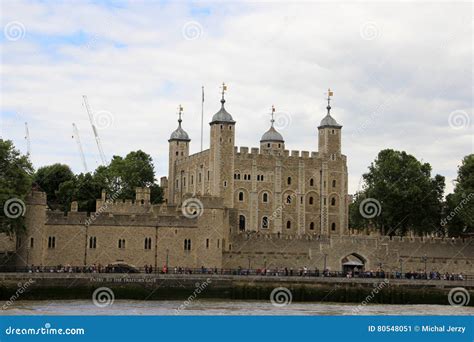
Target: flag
pixel 330 92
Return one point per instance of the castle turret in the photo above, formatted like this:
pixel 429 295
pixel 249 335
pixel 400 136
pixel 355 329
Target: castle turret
pixel 221 156
pixel 329 134
pixel 272 141
pixel 178 149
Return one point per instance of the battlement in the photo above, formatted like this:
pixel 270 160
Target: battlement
pixel 36 198
pixel 123 220
pixel 193 157
pixel 243 151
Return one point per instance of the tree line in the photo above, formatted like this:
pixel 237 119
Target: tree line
pixel 399 195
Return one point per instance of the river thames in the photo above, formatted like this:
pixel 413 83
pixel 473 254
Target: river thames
pixel 220 307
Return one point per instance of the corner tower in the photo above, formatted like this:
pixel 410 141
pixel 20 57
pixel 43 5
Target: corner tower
pixel 221 154
pixel 329 141
pixel 178 149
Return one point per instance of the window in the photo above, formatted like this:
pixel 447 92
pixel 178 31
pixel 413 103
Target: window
pixel 207 243
pixel 333 226
pixel 248 177
pixel 92 242
pixel 264 222
pixel 268 145
pixel 32 242
pixel 333 132
pixel 289 180
pixel 241 196
pixel 334 183
pixel 288 224
pixel 147 243
pixel 311 182
pixel 265 197
pixel 177 184
pixel 184 181
pixel 208 175
pixel 324 200
pixel 121 243
pixel 279 145
pixel 192 179
pixel 241 223
pixel 52 242
pixel 261 178
pixel 187 244
pixel 225 184
pixel 311 226
pixel 288 199
pixel 258 177
pixel 245 177
pixel 311 200
pixel 333 201
pixel 218 243
pixel 177 153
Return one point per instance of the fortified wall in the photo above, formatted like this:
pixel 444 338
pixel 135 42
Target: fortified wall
pixel 391 254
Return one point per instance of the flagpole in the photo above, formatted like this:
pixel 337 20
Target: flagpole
pixel 202 115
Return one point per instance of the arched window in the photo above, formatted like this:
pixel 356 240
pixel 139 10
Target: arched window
pixel 265 197
pixel 92 242
pixel 311 200
pixel 333 201
pixel 245 177
pixel 289 180
pixel 261 178
pixel 241 222
pixel 334 183
pixel 311 226
pixel 333 226
pixel 311 182
pixel 258 177
pixel 288 199
pixel 288 224
pixel 264 222
pixel 241 196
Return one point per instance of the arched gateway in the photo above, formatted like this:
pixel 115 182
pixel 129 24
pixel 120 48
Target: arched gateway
pixel 353 263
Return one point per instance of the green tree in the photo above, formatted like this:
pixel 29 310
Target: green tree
pixel 403 194
pixel 459 214
pixel 15 182
pixel 49 178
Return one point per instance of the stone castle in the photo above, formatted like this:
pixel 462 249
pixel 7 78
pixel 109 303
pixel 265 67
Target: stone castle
pixel 228 207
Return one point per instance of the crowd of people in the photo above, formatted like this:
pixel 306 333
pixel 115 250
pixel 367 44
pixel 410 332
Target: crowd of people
pixel 287 272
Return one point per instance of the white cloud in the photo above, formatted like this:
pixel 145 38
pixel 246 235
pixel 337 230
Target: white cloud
pixel 396 90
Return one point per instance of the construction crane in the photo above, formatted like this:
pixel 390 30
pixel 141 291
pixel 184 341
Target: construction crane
pixel 94 130
pixel 75 135
pixel 27 138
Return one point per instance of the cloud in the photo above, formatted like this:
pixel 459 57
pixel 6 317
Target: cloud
pixel 398 71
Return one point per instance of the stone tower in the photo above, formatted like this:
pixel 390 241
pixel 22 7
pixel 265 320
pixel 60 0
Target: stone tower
pixel 333 175
pixel 178 149
pixel 221 154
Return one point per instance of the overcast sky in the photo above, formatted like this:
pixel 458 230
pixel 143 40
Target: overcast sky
pixel 401 75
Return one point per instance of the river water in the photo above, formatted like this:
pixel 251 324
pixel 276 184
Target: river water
pixel 220 307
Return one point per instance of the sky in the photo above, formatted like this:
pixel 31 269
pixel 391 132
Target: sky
pixel 401 73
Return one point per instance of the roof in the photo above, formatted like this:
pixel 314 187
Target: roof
pixel 222 115
pixel 179 134
pixel 272 135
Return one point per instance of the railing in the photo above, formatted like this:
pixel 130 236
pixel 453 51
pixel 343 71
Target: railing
pixel 237 272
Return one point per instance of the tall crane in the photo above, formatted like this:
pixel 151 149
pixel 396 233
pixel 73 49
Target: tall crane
pixel 75 135
pixel 27 138
pixel 94 130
